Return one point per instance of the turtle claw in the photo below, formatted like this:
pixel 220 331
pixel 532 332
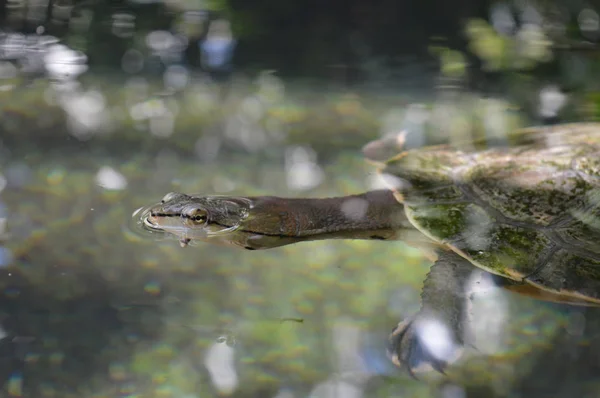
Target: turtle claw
pixel 410 348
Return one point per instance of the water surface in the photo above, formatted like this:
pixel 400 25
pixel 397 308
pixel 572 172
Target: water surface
pixel 91 307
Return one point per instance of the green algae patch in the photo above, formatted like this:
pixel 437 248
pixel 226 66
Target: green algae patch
pixel 442 222
pixel 510 250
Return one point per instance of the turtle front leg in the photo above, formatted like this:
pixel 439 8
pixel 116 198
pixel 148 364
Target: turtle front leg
pixel 434 337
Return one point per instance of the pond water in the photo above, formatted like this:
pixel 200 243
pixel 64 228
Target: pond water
pixel 90 306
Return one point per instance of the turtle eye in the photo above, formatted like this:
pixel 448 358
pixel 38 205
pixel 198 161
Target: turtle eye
pixel 196 216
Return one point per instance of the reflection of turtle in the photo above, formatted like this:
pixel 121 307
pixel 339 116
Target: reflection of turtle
pixel 529 213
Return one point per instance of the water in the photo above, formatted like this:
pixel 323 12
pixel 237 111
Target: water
pixel 93 306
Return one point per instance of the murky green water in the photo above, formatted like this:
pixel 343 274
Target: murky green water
pixel 91 307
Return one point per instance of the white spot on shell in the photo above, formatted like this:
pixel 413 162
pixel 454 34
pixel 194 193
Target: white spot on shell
pixel 477 232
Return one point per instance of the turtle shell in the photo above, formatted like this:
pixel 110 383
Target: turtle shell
pixel 529 211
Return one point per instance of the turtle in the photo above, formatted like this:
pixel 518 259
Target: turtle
pixel 526 212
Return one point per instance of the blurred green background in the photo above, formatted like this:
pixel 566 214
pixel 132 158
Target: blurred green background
pixel 105 106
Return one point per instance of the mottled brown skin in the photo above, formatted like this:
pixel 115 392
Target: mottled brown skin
pixel 266 222
pixel 528 213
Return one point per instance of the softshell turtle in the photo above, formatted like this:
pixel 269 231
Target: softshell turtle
pixel 527 212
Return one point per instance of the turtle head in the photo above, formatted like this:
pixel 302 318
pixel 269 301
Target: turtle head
pixel 202 218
